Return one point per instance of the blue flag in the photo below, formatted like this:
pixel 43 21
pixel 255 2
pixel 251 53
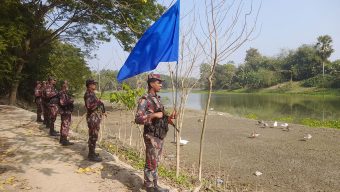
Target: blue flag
pixel 158 44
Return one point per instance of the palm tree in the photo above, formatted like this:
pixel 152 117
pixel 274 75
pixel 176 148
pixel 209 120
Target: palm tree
pixel 324 49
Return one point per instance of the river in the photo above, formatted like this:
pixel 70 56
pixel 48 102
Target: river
pixel 293 108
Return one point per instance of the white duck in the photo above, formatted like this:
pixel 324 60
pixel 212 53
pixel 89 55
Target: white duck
pixel 307 137
pixel 183 141
pixel 285 126
pixel 265 125
pixel 274 124
pixel 254 135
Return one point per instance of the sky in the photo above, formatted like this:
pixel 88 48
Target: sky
pixel 282 24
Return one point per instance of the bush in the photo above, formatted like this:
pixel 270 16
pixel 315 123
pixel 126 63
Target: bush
pixel 317 81
pixel 336 83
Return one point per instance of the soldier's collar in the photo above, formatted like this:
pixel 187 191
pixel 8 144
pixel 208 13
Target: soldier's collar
pixel 154 95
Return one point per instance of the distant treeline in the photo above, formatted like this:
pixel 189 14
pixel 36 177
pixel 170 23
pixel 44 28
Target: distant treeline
pixel 303 64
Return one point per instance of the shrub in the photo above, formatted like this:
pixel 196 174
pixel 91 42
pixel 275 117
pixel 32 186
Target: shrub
pixel 317 81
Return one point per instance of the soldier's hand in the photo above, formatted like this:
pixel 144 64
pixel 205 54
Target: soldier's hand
pixel 152 116
pixel 173 115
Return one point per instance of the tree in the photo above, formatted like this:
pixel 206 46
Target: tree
pixel 84 22
pixel 324 50
pixel 189 54
pixel 222 38
pixel 223 76
pixel 304 62
pixel 108 80
pixel 204 73
pixel 68 63
pixel 253 59
pixel 15 21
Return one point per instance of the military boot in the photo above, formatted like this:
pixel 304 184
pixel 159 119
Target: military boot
pixel 39 118
pixel 66 142
pixel 52 131
pixel 93 156
pixel 157 188
pixel 48 124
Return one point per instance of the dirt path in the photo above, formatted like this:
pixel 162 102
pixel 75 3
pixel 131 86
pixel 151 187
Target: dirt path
pixel 32 161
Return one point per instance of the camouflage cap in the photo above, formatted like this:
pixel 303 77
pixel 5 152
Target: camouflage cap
pixel 50 78
pixel 154 77
pixel 90 81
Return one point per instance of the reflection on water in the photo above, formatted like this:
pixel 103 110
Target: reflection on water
pixel 268 107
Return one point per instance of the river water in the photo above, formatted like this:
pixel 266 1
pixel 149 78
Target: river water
pixel 292 108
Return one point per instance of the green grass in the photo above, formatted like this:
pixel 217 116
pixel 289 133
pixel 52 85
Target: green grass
pixel 318 123
pixel 284 88
pixel 132 157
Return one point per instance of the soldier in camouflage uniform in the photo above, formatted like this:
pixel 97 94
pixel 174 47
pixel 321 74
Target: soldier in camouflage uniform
pixel 44 102
pixel 65 110
pixel 38 100
pixel 53 102
pixel 94 115
pixel 150 109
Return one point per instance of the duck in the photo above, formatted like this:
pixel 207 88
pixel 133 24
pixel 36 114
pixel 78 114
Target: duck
pixel 254 135
pixel 285 126
pixel 183 141
pixel 307 137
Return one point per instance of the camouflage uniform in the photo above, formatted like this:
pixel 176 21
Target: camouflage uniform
pixel 38 101
pixel 44 102
pixel 93 118
pixel 53 102
pixel 65 110
pixel 154 145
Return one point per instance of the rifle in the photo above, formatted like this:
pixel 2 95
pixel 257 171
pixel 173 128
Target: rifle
pixel 172 123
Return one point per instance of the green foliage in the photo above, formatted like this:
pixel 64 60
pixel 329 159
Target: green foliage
pixel 253 59
pixel 31 33
pixel 319 81
pixel 258 71
pixel 223 76
pixel 324 47
pixel 68 63
pixel 251 116
pixel 318 123
pixel 127 97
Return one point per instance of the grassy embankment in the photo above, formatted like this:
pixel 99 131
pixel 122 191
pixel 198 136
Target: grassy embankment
pixel 291 89
pixel 284 88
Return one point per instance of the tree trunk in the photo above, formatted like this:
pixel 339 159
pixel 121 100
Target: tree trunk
pixel 15 84
pixel 203 129
pixel 17 72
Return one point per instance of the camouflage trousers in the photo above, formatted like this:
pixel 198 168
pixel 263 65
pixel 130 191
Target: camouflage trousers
pixel 45 111
pixel 154 147
pixel 93 123
pixel 53 113
pixel 65 124
pixel 38 102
